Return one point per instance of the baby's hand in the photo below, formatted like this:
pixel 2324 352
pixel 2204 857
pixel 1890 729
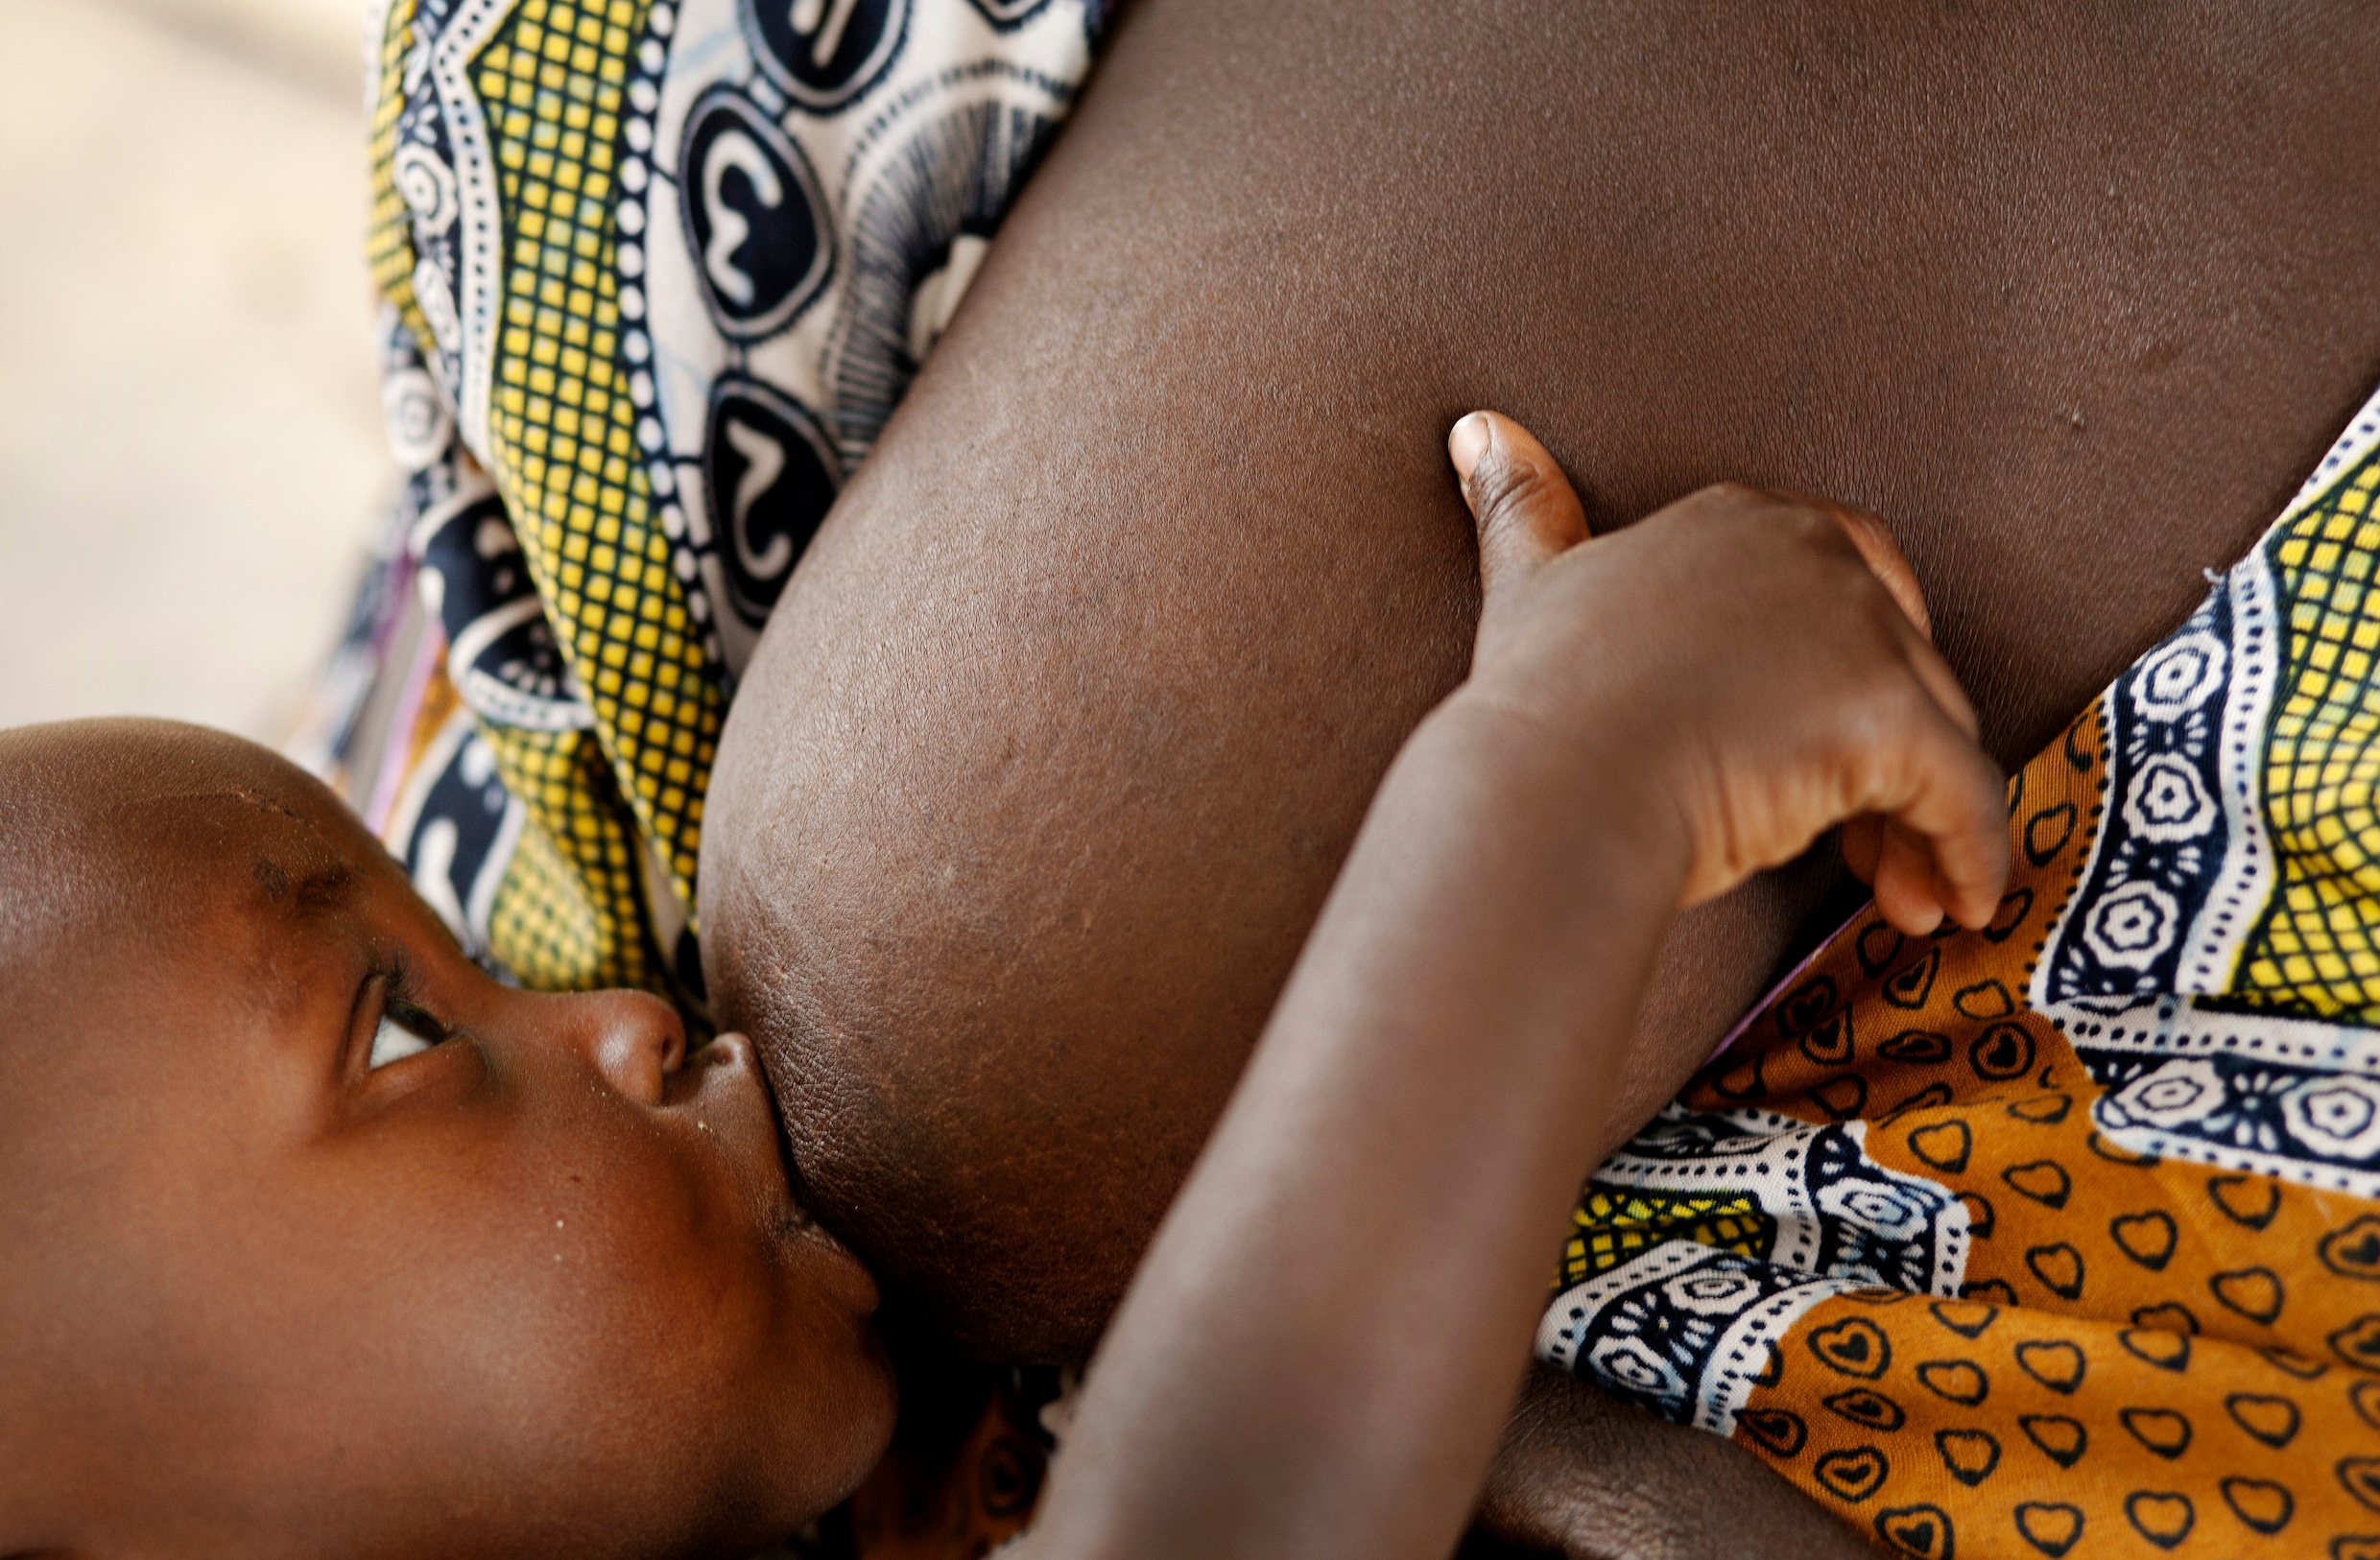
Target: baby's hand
pixel 1761 660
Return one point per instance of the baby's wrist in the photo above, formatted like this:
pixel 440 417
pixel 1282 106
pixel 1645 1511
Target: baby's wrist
pixel 1588 792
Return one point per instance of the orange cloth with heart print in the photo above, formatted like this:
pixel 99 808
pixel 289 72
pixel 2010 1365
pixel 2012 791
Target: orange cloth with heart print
pixel 2060 1238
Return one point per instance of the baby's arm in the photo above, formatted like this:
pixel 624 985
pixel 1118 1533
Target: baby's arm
pixel 1317 1356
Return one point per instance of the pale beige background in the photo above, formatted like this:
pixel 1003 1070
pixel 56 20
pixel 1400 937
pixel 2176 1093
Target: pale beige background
pixel 191 459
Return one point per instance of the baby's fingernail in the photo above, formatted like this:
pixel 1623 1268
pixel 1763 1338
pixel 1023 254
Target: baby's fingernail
pixel 1467 443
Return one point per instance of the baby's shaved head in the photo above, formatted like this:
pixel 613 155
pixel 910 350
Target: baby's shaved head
pixel 319 1240
pixel 98 819
pixel 112 834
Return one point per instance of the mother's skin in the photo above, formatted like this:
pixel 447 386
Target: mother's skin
pixel 1061 733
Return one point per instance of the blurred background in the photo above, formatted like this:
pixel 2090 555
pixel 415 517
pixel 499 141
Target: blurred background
pixel 191 461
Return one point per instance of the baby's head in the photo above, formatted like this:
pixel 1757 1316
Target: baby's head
pixel 318 1240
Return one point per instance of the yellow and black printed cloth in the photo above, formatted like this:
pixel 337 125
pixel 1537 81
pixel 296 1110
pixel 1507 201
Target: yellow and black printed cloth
pixel 655 273
pixel 2062 1238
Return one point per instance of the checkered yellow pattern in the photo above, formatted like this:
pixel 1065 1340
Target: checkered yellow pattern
pixel 569 912
pixel 562 440
pixel 1609 1227
pixel 2317 951
pixel 388 243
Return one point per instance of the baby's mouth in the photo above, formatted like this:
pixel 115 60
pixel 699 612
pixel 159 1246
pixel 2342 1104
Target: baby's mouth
pixel 801 1238
pixel 755 1141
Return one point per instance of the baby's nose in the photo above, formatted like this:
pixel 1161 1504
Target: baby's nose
pixel 635 1040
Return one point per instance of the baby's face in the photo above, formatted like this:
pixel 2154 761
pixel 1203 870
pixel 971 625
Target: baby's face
pixel 366 1253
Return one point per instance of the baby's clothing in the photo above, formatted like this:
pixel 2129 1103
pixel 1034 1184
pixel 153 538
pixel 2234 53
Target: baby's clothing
pixel 2062 1237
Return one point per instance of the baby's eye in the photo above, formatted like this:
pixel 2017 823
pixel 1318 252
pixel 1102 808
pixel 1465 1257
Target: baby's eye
pixel 405 1030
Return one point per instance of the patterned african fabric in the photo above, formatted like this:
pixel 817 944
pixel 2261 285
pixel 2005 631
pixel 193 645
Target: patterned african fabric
pixel 2062 1238
pixel 655 273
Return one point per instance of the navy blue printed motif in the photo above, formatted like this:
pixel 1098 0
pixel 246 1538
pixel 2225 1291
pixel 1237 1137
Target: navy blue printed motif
pixel 1682 1328
pixel 770 474
pixel 1685 1333
pixel 2145 890
pixel 918 235
pixel 755 222
pixel 825 53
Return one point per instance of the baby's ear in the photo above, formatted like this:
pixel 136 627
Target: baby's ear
pixel 1526 509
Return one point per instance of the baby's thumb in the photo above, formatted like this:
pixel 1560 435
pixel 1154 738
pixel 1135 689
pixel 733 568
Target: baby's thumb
pixel 1524 506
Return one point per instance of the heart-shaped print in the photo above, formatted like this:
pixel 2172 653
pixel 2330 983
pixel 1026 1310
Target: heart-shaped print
pixel 2045 1110
pixel 2058 1367
pixel 2044 1180
pixel 2001 1052
pixel 2358 1343
pixel 2354 1252
pixel 1958 1380
pixel 1852 1476
pixel 1744 1080
pixel 2295 1365
pixel 1916 1046
pixel 1829 1044
pixel 2049 1526
pixel 1873 1410
pixel 2365 1396
pixel 1945 1145
pixel 1840 1097
pixel 1926 1098
pixel 2254 1293
pixel 2059 1268
pixel 2161 1430
pixel 1877 1295
pixel 1912 985
pixel 1804 1007
pixel 2149 1239
pixel 1992 1291
pixel 2162 1517
pixel 2047 832
pixel 2014 907
pixel 1853 1346
pixel 2062 1440
pixel 1965 1318
pixel 1878 945
pixel 1970 1455
pixel 2247 1199
pixel 2260 1503
pixel 2361 1478
pixel 2273 1420
pixel 2172 1316
pixel 1985 1000
pixel 2166 1350
pixel 1776 1430
pixel 1922 1532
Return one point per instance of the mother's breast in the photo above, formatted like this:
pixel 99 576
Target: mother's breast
pixel 1056 738
pixel 1040 774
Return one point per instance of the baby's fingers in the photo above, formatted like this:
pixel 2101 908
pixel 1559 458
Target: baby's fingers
pixel 1907 895
pixel 1944 849
pixel 1524 508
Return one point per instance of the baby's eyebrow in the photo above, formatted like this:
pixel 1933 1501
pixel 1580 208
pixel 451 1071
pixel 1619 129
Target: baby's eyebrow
pixel 308 895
